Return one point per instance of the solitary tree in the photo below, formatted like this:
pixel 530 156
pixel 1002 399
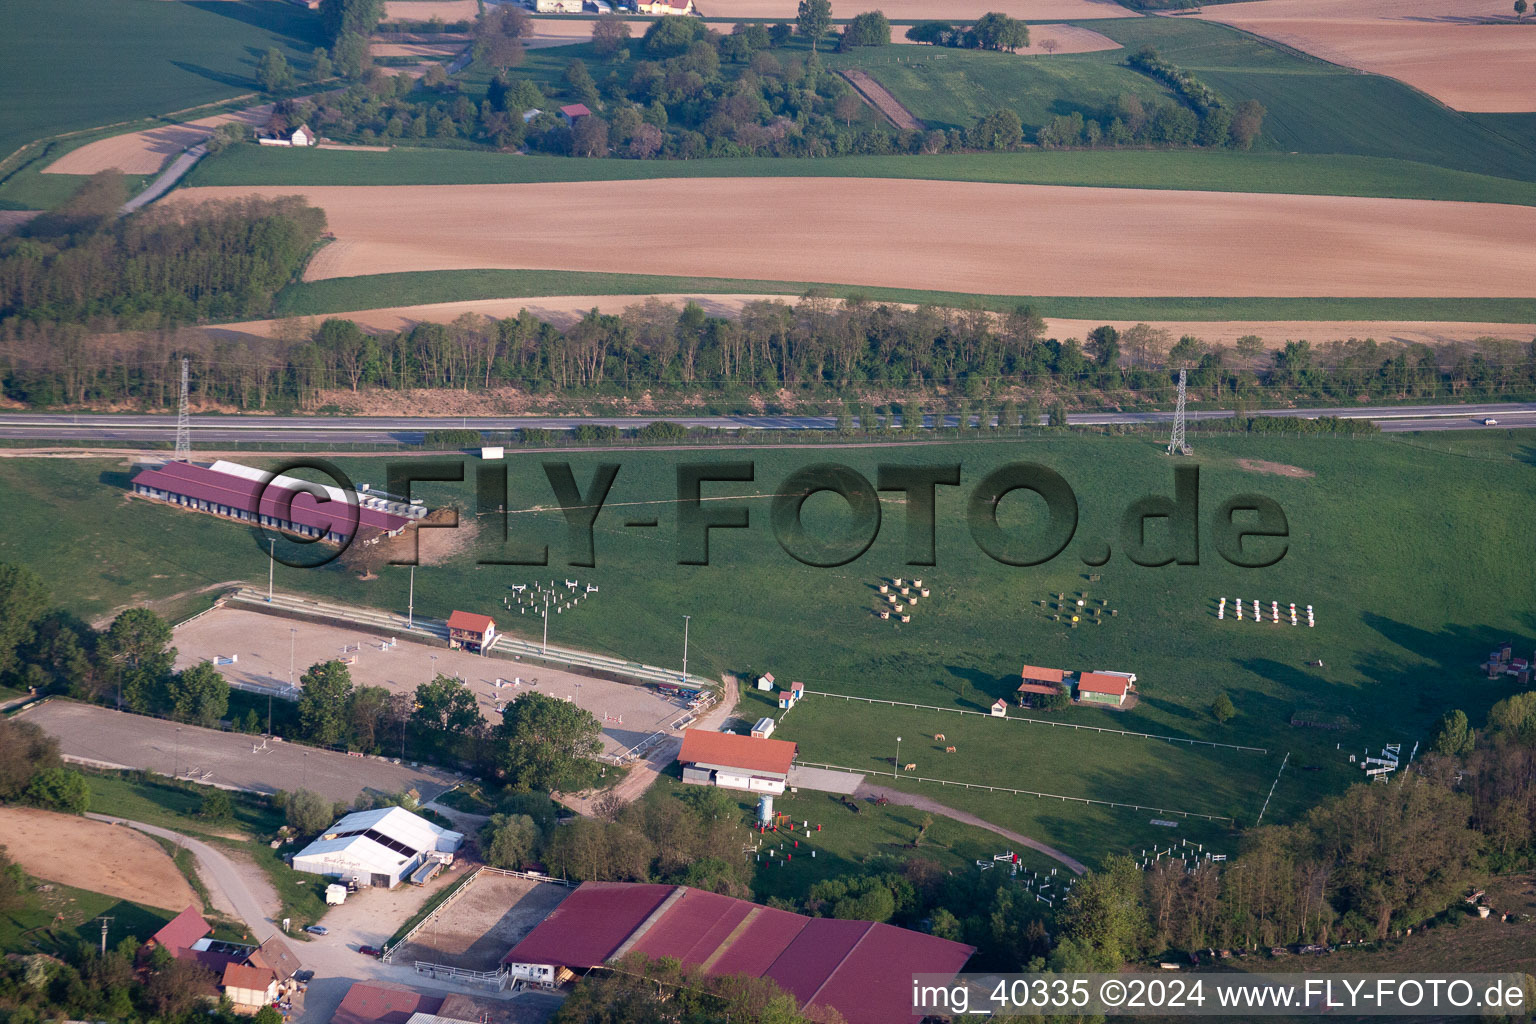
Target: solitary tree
pixel 308 812
pixel 814 19
pixel 273 72
pixel 609 34
pixel 1222 709
pixel 509 840
pixel 323 704
pixel 199 695
pixel 23 598
pixel 1520 8
pixel 1455 736
pixel 542 742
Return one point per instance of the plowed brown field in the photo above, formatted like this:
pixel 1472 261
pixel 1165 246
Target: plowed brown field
pixel 93 855
pixel 146 151
pixel 1466 53
pixel 951 236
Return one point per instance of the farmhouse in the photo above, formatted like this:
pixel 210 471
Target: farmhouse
pixel 284 503
pixel 848 966
pixel 557 6
pixel 470 631
pixel 379 848
pixel 249 988
pixel 1104 688
pixel 664 7
pixel 574 112
pixel 300 136
pixel 251 976
pixel 724 759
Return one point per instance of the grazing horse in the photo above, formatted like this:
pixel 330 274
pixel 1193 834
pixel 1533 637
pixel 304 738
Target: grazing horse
pixel 909 768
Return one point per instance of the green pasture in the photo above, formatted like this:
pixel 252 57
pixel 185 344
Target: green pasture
pixel 1317 107
pixel 947 88
pixel 77 64
pixel 345 294
pixel 1373 533
pixel 1216 170
pixel 60 920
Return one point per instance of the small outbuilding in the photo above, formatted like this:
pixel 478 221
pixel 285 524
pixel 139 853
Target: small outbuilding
pixel 574 112
pixel 1000 708
pixel 765 681
pixel 764 728
pixel 471 631
pixel 1103 688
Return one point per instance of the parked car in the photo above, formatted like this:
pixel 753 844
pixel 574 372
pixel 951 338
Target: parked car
pixel 317 929
pixel 303 977
pixel 370 950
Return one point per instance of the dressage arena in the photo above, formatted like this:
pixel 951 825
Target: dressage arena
pixel 476 927
pixel 261 644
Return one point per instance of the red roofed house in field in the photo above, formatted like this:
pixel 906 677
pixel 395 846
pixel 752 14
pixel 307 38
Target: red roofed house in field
pixel 736 762
pixel 180 934
pixel 574 112
pixel 470 631
pixel 855 967
pixel 1103 688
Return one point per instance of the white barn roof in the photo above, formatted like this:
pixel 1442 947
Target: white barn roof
pixel 382 840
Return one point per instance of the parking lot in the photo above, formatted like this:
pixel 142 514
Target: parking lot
pixel 115 739
pixel 264 646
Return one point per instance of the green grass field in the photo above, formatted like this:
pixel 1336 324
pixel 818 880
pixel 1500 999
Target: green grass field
pixel 947 88
pixel 1316 107
pixel 1219 171
pixel 1381 518
pixel 75 64
pixel 343 294
pixel 36 927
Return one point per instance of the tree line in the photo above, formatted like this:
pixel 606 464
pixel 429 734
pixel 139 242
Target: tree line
pixel 167 264
pixel 818 350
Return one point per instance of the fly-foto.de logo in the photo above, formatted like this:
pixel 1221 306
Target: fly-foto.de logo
pixel 1246 529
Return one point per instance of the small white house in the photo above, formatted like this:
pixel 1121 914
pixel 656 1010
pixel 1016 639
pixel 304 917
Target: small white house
pixel 378 848
pixel 765 681
pixel 557 6
pixel 300 136
pixel 764 728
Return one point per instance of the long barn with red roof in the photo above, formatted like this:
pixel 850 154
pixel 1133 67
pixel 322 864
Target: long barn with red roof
pixel 859 968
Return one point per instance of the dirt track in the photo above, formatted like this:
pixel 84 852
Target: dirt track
pixel 93 855
pixel 1456 50
pixel 876 95
pixel 565 310
pixel 953 236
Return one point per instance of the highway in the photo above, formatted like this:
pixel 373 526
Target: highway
pixel 322 430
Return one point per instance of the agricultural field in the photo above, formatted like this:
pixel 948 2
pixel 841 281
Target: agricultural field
pixel 1215 171
pixel 175 54
pixel 947 88
pixel 978 237
pixel 379 291
pixel 1362 547
pixel 1463 54
pixel 1316 107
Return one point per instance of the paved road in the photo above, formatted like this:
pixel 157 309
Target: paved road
pixel 407 429
pixel 168 177
pixel 222 876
